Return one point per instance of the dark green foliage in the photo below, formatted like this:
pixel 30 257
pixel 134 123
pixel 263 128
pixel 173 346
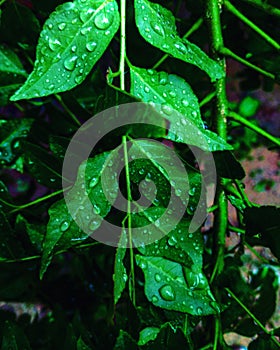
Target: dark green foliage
pixel 160 281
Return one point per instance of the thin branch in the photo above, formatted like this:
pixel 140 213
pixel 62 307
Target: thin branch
pixel 238 118
pixel 227 52
pixel 252 316
pixel 252 25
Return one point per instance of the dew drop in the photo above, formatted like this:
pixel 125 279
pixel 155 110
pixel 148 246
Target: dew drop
pixel 96 209
pixel 166 109
pixel 79 79
pixel 192 191
pixel 85 15
pixel 185 102
pixel 157 277
pixel 157 28
pixel 54 44
pixel 94 225
pixel 181 47
pixel 172 241
pixel 172 93
pixel 70 62
pixel 61 26
pixel 146 89
pixel 93 182
pixel 143 265
pixel 154 299
pixel 74 48
pixel 64 226
pixel 91 46
pixel 167 293
pixel 183 121
pixel 199 311
pixel 103 21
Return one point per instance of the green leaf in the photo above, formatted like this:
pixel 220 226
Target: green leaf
pixel 10 246
pixel 87 203
pixel 72 40
pixel 11 132
pixel 179 245
pixel 176 102
pixel 81 345
pixel 120 275
pixel 125 341
pixel 43 166
pixel 166 287
pixel 147 334
pixel 227 165
pixel 157 26
pixel 34 231
pixel 14 338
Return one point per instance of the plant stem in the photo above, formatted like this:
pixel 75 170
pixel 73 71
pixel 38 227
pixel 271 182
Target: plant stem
pixel 252 316
pixel 72 115
pixel 129 223
pixel 213 13
pixel 207 99
pixel 260 4
pixel 35 257
pixel 238 118
pixel 220 124
pixel 227 52
pixel 195 27
pixel 252 25
pixel 122 45
pixel 39 200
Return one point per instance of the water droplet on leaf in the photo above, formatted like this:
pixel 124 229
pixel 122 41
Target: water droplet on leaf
pixel 91 46
pixel 70 62
pixel 64 226
pixel 157 28
pixel 167 293
pixel 157 277
pixel 103 21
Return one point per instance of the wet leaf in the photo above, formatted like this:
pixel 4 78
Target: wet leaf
pixel 157 26
pixel 72 40
pixel 176 102
pixel 87 203
pixel 166 287
pixel 120 275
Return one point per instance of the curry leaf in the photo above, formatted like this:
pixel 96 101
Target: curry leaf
pixel 73 39
pixel 157 26
pixel 177 103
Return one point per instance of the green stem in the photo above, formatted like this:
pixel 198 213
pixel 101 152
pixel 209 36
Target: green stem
pixel 122 45
pixel 227 52
pixel 252 316
pixel 39 200
pixel 195 27
pixel 72 115
pixel 35 257
pixel 207 99
pixel 238 118
pixel 252 25
pixel 242 193
pixel 220 223
pixel 129 223
pixel 260 4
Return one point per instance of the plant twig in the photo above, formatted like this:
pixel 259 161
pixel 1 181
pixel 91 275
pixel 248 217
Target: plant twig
pixel 122 45
pixel 264 6
pixel 227 52
pixel 129 223
pixel 252 25
pixel 252 316
pixel 238 118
